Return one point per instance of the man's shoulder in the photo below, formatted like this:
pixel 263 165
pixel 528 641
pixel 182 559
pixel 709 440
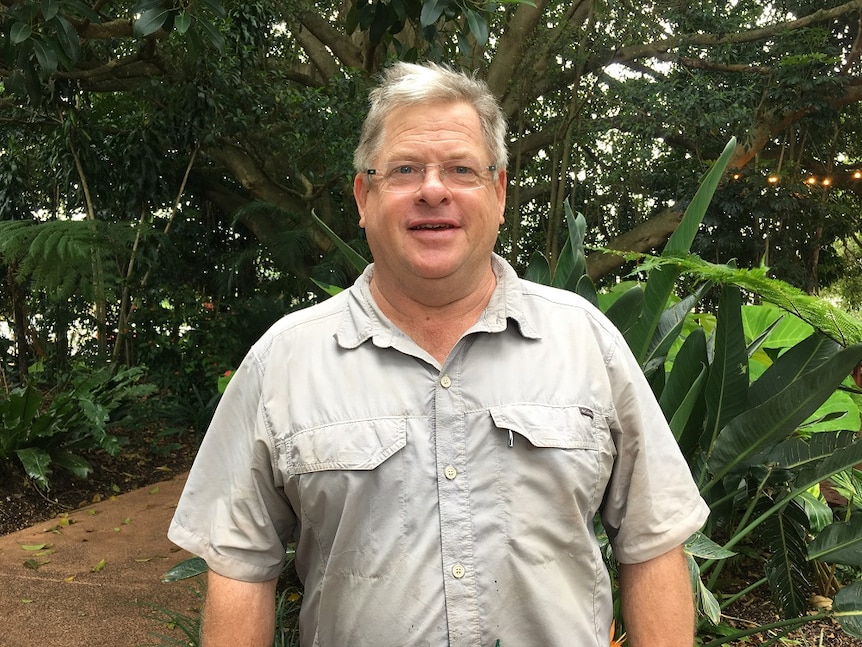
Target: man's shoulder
pixel 543 303
pixel 318 319
pixel 547 296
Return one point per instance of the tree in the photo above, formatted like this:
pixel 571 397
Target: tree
pixel 243 116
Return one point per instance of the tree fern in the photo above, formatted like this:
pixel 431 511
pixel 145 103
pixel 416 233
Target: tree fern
pixel 57 256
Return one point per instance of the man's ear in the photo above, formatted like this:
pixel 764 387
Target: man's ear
pixel 360 195
pixel 500 189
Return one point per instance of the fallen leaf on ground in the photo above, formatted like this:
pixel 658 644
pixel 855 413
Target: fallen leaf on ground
pixel 98 567
pixel 34 547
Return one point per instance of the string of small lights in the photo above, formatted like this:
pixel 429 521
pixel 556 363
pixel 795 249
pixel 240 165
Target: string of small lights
pixel 811 180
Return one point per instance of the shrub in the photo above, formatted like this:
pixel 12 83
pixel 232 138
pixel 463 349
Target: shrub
pixel 47 430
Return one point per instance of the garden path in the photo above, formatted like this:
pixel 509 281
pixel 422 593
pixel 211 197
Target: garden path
pixel 91 578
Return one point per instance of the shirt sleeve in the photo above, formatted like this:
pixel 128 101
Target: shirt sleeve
pixel 652 504
pixel 233 512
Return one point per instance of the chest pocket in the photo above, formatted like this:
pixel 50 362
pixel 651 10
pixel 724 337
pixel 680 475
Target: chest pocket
pixel 357 445
pixel 569 427
pixel 349 478
pixel 552 468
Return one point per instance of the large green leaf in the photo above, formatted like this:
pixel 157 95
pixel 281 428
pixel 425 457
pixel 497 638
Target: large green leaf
pixel 681 400
pixel 356 259
pixel 624 312
pixel 571 264
pixel 840 542
pixel 755 430
pixel 840 412
pixel 662 279
pixel 669 326
pixel 727 387
pixel 847 609
pixel 538 271
pixel 805 356
pixel 785 330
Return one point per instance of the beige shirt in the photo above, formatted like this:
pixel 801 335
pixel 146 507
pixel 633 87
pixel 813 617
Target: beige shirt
pixel 440 505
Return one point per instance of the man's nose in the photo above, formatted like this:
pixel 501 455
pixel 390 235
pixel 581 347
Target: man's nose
pixel 434 183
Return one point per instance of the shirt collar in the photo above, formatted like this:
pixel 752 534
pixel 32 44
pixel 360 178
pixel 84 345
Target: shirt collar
pixel 362 319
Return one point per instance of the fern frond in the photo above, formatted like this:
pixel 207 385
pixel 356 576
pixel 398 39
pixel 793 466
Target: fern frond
pixel 58 256
pixel 822 315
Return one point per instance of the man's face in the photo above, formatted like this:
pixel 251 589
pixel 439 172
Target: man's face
pixel 439 230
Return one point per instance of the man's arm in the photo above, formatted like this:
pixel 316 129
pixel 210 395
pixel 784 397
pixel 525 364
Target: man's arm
pixel 657 601
pixel 238 614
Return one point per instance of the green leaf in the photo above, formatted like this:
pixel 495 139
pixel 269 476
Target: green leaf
pixel 36 463
pixel 185 569
pixel 847 609
pixel 624 312
pixel 679 422
pixel 538 271
pixel 739 443
pixel 150 21
pixel 662 279
pixel 817 510
pixel 182 23
pixel 798 452
pixel 669 327
pixel 787 568
pixel 68 38
pixel 727 387
pixel 702 546
pixel 20 32
pixel 353 257
pixel 478 26
pixel 805 356
pixel 50 8
pixel 431 12
pixel 46 56
pixel 73 463
pixel 331 290
pixel 839 543
pixel 688 364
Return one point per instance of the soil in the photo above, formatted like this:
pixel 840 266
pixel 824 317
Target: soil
pixel 149 458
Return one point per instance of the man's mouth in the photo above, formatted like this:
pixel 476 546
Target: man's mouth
pixel 433 226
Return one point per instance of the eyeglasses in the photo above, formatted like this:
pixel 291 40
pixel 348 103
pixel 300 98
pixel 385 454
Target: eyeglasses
pixel 407 177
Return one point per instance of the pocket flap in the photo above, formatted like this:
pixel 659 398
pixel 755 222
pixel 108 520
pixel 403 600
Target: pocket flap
pixel 354 445
pixel 564 427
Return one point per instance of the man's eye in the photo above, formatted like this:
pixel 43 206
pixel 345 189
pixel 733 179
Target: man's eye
pixel 460 169
pixel 404 169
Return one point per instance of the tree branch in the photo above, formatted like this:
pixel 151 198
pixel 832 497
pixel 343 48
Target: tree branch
pixel 646 236
pixel 336 42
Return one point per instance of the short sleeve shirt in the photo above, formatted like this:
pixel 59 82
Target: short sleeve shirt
pixel 435 504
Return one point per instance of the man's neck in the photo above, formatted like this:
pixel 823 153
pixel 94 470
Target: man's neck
pixel 434 315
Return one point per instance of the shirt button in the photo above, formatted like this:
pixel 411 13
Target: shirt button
pixel 445 381
pixel 458 571
pixel 450 472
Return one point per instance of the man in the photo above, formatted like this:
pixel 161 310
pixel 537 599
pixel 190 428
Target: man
pixel 439 438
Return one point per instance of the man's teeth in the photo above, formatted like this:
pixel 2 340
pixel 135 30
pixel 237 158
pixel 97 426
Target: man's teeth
pixel 433 226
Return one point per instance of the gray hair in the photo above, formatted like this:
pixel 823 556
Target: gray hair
pixel 409 84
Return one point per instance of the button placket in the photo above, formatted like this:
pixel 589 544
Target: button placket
pixel 455 509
